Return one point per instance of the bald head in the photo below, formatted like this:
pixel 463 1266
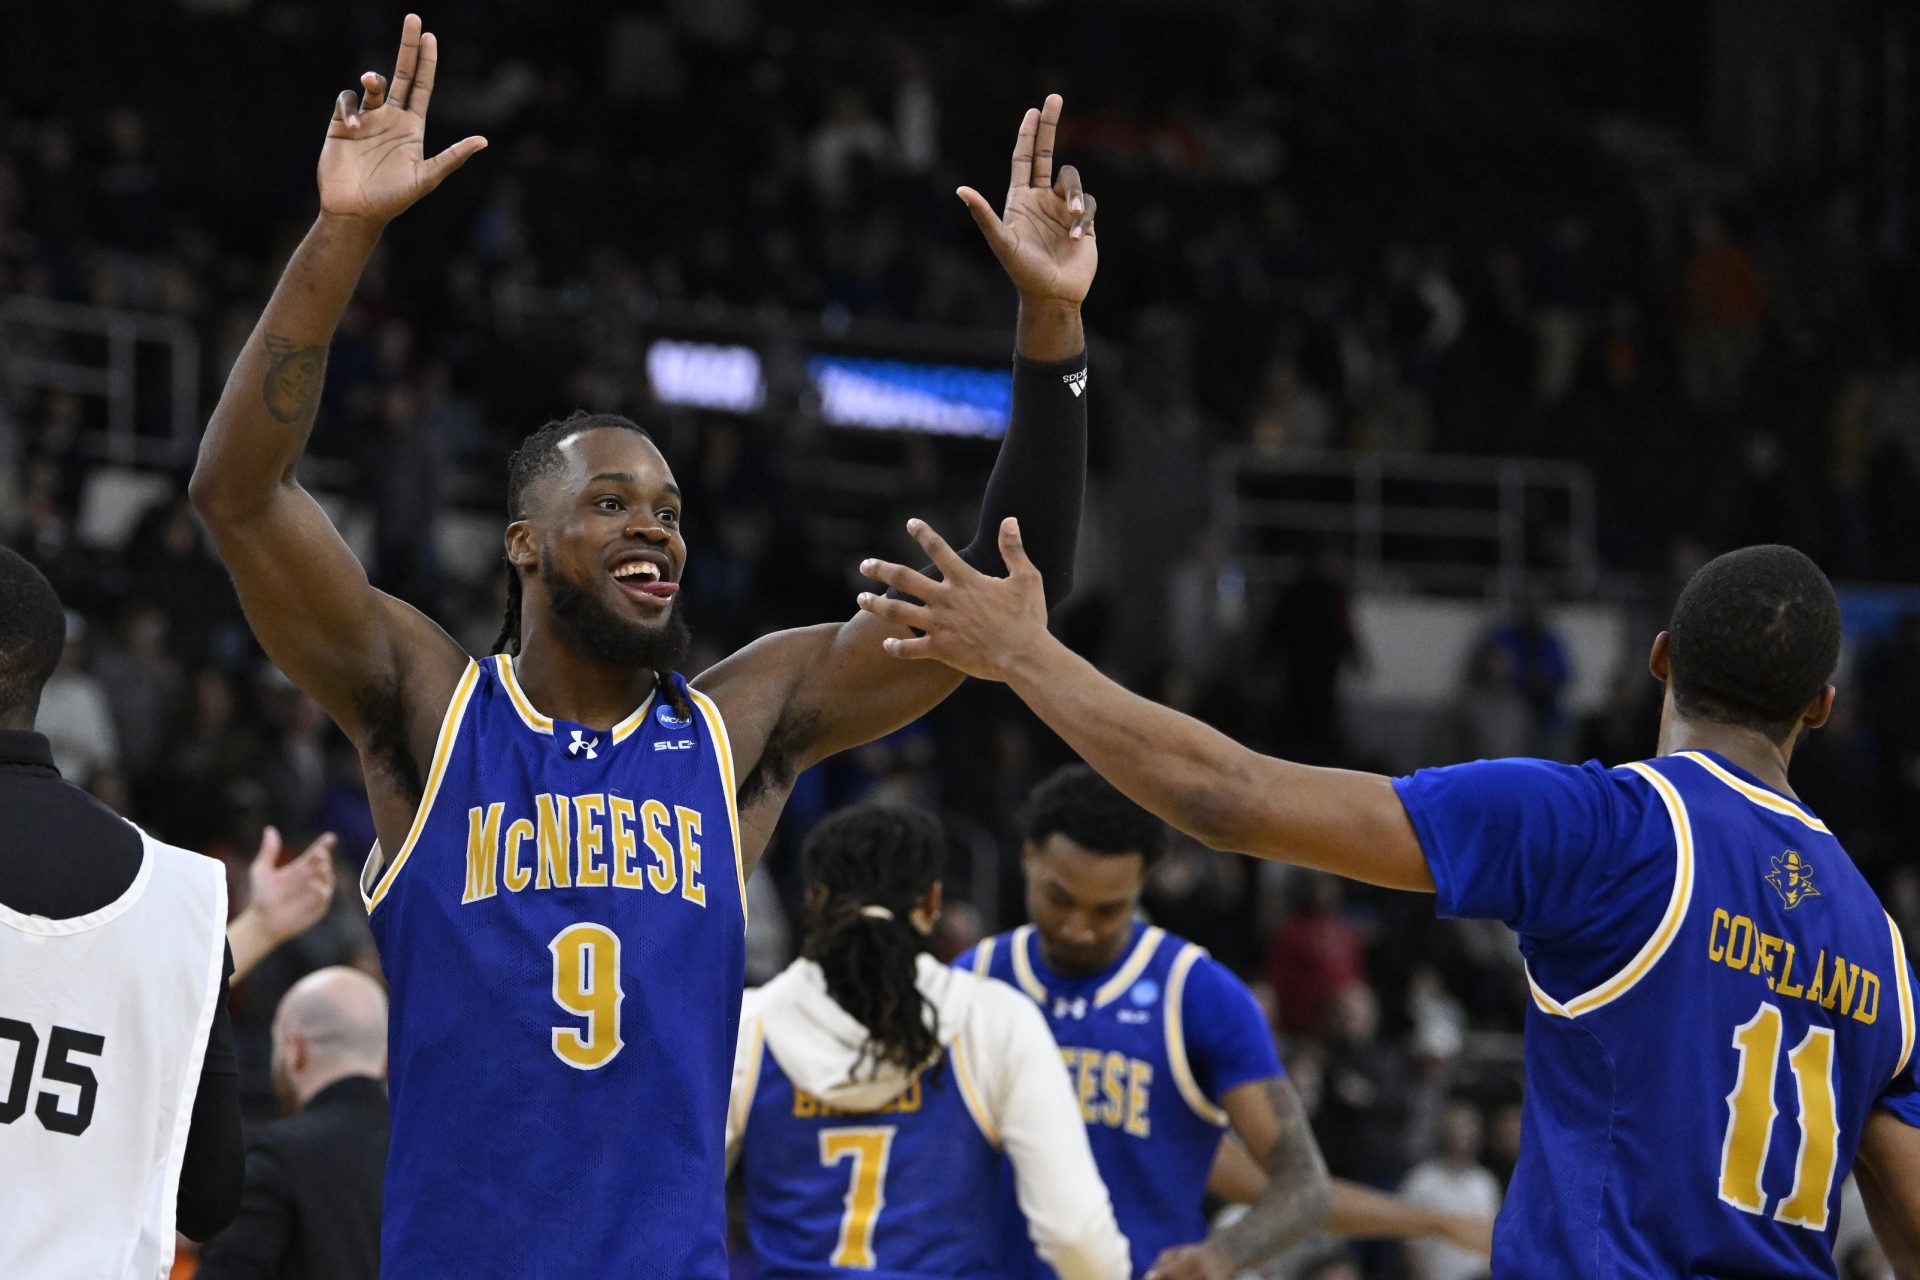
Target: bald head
pixel 330 1024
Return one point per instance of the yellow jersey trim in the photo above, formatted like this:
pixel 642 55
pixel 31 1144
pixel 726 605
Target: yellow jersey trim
pixel 723 750
pixel 531 717
pixel 1177 1040
pixel 1113 988
pixel 971 1094
pixel 1656 946
pixel 742 1103
pixel 521 703
pixel 1906 996
pixel 442 752
pixel 1759 795
pixel 983 957
pixel 1023 966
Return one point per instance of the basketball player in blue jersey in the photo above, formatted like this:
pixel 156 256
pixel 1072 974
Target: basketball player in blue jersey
pixel 566 826
pixel 874 1089
pixel 1168 1051
pixel 1722 1017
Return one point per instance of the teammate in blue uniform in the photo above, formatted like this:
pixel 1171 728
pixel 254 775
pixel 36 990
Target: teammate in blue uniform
pixel 1166 1048
pixel 567 825
pixel 1135 1006
pixel 875 1089
pixel 1722 1015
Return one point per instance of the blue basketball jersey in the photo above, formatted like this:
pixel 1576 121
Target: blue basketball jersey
pixel 1151 1043
pixel 894 1194
pixel 1718 1002
pixel 563 931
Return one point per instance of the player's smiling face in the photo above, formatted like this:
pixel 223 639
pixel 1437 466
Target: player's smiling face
pixel 610 550
pixel 1082 902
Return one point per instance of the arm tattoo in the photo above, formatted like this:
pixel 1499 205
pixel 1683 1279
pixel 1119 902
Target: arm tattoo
pixel 293 380
pixel 1296 1202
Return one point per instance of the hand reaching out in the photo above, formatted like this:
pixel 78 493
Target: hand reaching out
pixel 974 623
pixel 373 165
pixel 1045 238
pixel 291 898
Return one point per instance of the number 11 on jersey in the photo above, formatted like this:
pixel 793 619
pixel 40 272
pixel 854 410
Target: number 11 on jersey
pixel 1751 1111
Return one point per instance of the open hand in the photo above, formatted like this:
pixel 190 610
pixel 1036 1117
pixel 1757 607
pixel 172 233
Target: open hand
pixel 1206 1261
pixel 373 164
pixel 974 623
pixel 1045 238
pixel 289 899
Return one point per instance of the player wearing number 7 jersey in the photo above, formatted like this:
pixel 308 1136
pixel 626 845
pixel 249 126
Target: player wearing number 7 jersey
pixel 1722 1016
pixel 874 1090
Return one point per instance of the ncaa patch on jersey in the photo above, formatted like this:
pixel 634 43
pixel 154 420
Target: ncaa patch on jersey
pixel 1144 992
pixel 668 720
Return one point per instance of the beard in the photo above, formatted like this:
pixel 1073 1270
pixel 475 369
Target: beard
pixel 591 628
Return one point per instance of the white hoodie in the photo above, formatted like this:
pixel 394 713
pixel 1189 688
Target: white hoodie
pixel 1009 1052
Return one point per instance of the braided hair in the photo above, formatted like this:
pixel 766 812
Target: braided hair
pixel 857 862
pixel 537 458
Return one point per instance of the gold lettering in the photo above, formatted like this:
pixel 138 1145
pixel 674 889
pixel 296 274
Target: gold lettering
pixel 1089 1080
pixel 690 887
pixel 483 851
pixel 1868 1007
pixel 1819 987
pixel 1716 949
pixel 1788 987
pixel 555 841
pixel 1741 936
pixel 1769 947
pixel 653 825
pixel 1113 1112
pixel 626 848
pixel 587 811
pixel 1139 1087
pixel 1846 980
pixel 514 876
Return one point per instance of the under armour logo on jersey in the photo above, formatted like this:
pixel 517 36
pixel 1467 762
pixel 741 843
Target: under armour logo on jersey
pixel 1076 382
pixel 1792 879
pixel 581 746
pixel 1065 1008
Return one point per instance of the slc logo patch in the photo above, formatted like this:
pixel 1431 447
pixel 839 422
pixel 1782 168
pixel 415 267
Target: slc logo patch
pixel 668 720
pixel 1792 879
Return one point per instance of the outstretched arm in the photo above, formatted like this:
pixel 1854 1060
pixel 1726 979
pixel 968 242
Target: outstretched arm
pixel 1355 1212
pixel 808 693
pixel 305 595
pixel 1194 777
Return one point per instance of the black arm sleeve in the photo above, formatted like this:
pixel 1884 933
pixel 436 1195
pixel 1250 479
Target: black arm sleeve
pixel 1040 476
pixel 215 1165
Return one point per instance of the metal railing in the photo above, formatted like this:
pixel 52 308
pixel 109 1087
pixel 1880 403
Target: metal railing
pixel 96 353
pixel 1430 522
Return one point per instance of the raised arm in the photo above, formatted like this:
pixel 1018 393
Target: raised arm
pixel 305 595
pixel 808 693
pixel 1194 777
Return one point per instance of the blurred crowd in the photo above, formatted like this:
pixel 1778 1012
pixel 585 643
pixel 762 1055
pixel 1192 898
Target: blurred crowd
pixel 1326 226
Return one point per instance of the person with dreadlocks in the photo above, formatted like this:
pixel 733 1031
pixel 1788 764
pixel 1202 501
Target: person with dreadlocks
pixel 875 1090
pixel 566 827
pixel 1722 1014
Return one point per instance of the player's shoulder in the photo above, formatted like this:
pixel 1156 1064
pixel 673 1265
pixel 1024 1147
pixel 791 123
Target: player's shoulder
pixel 979 957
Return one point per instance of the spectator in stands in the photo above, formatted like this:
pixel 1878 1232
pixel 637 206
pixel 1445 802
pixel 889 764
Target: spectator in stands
pixel 1453 1181
pixel 1538 665
pixel 75 713
pixel 311 1205
pixel 142 683
pixel 1366 1093
pixel 1314 956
